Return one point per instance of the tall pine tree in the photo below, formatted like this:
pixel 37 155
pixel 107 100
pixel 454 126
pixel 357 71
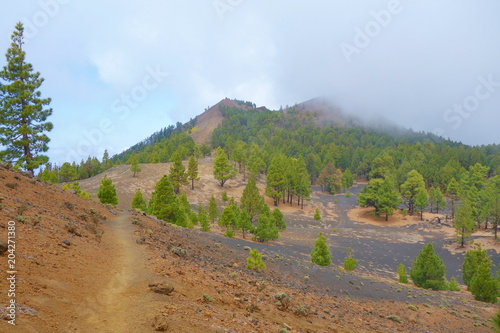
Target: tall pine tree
pixel 223 170
pixel 23 113
pixel 192 171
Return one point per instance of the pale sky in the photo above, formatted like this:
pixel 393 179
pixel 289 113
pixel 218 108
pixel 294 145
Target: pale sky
pixel 117 71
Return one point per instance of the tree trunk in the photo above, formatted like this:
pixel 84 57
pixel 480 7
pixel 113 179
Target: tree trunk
pixel 386 217
pixel 192 184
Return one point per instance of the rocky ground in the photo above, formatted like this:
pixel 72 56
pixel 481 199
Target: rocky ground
pixel 124 272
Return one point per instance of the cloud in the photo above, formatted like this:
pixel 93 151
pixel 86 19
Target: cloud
pixel 416 64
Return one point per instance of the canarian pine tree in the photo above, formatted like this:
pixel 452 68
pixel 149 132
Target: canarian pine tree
pixel 411 187
pixel 464 222
pixel 178 175
pixel 276 180
pixel 107 192
pixel 192 171
pixel 213 209
pixel 23 113
pixel 320 254
pixel 251 200
pixel 138 201
pixel 223 170
pixel 134 165
pixel 428 269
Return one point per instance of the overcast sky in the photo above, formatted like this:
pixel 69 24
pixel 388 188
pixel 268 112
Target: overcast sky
pixel 117 71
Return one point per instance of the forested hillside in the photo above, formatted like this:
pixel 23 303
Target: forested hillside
pixel 247 132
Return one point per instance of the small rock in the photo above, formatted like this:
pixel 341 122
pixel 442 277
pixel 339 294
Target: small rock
pixel 3 247
pixel 113 212
pixel 160 324
pixel 163 255
pixel 66 242
pixel 161 288
pixel 141 240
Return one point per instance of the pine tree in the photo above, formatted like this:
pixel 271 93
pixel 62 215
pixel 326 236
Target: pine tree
pixel 106 162
pixel 453 285
pixel 464 222
pixel 347 179
pixel 244 222
pixel 381 194
pixel 350 263
pixel 437 200
pixel 472 260
pixel 164 204
pixel 254 261
pixel 251 200
pixel 411 187
pixel 192 171
pixel 428 269
pixel 403 277
pixel 67 172
pixel 107 192
pixel 203 218
pixel 320 254
pixel 138 202
pixel 421 201
pixel 229 217
pixel 278 220
pixel 223 170
pixel 483 286
pixel 213 210
pixel 134 165
pixel 496 323
pixel 265 230
pixel 452 192
pixel 317 216
pixel 276 180
pixel 178 175
pixel 23 116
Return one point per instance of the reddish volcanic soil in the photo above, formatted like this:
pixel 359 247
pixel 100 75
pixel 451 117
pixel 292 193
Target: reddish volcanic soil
pixel 124 272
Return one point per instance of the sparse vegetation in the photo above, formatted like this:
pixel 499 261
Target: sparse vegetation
pixel 394 318
pixel 350 263
pixel 254 261
pixel 403 277
pixel 21 218
pixel 283 301
pixel 317 217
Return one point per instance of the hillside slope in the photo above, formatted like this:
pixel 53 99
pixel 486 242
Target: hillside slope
pixel 132 273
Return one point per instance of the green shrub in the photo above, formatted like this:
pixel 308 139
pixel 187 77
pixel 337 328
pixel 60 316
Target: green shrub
pixel 229 233
pixel 255 261
pixel 350 263
pixel 283 301
pixel 394 318
pixel 403 277
pixel 208 298
pixel 317 217
pixel 453 285
pixel 21 218
pixel 496 322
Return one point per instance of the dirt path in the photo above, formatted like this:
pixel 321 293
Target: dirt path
pixel 124 299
